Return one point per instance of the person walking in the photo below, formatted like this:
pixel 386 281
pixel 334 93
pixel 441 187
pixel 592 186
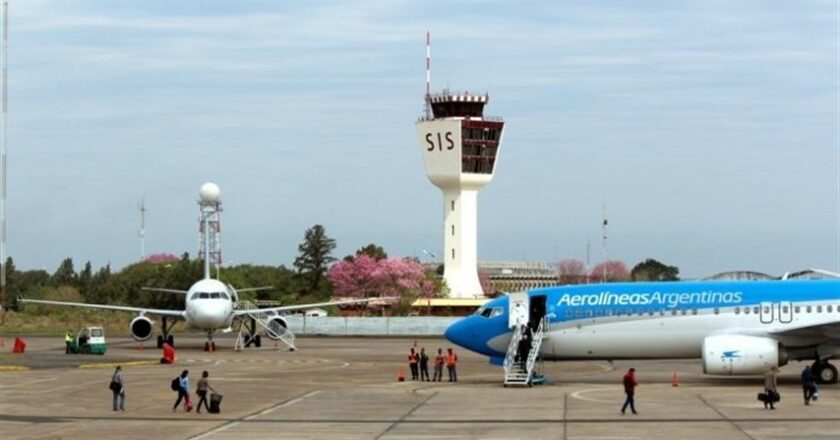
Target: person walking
pixel 413 359
pixel 771 387
pixel 68 340
pixel 118 389
pixel 183 392
pixel 524 348
pixel 424 365
pixel 201 390
pixel 809 385
pixel 630 385
pixel 439 361
pixel 451 362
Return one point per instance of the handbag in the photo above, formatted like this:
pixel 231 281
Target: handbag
pixel 114 386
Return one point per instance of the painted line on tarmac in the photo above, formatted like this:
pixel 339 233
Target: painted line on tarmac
pixel 725 418
pixel 123 364
pixel 3 387
pixel 13 368
pixel 236 423
pixel 579 395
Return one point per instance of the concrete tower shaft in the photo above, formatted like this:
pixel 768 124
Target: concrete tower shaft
pixel 460 148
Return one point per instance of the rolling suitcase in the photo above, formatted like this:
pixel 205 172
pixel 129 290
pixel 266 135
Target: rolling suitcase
pixel 215 401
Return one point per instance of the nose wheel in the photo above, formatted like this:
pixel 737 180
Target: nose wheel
pixel 165 336
pixel 210 345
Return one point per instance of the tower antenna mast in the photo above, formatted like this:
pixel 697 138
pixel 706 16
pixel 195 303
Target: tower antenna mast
pixel 606 249
pixel 3 128
pixel 142 232
pixel 428 96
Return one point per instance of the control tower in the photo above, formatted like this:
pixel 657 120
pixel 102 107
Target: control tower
pixel 460 148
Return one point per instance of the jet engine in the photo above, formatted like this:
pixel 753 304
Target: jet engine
pixel 740 354
pixel 278 327
pixel 141 328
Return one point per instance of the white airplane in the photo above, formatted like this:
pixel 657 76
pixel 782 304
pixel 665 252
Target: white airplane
pixel 210 306
pixel 736 327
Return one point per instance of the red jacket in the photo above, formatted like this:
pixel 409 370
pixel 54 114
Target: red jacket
pixel 629 382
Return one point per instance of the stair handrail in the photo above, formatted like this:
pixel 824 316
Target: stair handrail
pixel 515 337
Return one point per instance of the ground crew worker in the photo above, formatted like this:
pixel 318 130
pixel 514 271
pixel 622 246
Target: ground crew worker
pixel 630 385
pixel 68 339
pixel 424 365
pixel 413 359
pixel 439 361
pixel 451 361
pixel 809 386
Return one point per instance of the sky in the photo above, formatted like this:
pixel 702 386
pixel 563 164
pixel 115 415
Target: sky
pixel 709 129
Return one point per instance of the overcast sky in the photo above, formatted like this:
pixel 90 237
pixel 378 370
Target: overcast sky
pixel 709 128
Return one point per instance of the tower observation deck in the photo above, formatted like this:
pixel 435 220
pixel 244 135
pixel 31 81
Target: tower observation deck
pixel 460 149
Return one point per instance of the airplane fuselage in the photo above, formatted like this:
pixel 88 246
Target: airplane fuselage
pixel 209 305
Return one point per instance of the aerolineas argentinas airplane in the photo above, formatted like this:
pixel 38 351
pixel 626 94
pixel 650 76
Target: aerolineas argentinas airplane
pixel 210 305
pixel 737 328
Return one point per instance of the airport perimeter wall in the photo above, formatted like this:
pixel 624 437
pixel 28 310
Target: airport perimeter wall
pixel 359 326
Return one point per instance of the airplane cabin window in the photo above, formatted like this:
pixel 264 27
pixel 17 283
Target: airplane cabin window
pixel 683 312
pixel 569 313
pixel 819 309
pixel 828 308
pixel 693 311
pixel 661 312
pixel 579 313
pixel 650 312
pixel 204 295
pixel 796 309
pixel 755 309
pixel 807 309
pixel 717 310
pixel 737 310
pixel 673 312
pixel 746 310
pixel 589 313
pixel 785 309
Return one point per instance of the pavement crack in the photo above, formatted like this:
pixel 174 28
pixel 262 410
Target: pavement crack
pixel 401 419
pixel 724 417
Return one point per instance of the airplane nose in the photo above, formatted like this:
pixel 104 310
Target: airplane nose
pixel 456 333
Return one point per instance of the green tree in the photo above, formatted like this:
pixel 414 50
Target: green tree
pixel 65 275
pixel 371 250
pixel 9 300
pixel 652 270
pixel 85 278
pixel 313 259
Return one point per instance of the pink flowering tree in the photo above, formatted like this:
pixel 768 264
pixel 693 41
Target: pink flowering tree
pixel 571 272
pixel 161 258
pixel 366 277
pixel 611 271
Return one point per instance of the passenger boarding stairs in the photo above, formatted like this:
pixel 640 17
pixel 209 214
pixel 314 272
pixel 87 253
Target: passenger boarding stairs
pixel 515 372
pixel 272 327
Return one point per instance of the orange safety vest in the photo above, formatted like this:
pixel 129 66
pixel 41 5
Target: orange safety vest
pixel 412 358
pixel 451 358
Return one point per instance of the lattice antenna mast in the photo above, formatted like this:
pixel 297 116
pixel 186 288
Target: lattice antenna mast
pixel 3 128
pixel 141 233
pixel 606 249
pixel 428 96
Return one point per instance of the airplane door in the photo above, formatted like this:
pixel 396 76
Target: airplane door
pixel 766 310
pixel 785 312
pixel 518 313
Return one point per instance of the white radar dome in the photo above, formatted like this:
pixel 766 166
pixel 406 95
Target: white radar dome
pixel 209 192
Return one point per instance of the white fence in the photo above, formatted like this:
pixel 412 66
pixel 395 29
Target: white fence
pixel 358 326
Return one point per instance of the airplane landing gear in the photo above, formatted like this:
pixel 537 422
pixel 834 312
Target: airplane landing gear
pixel 210 346
pixel 824 372
pixel 165 336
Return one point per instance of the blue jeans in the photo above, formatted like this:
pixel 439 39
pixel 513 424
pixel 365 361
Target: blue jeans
pixel 629 401
pixel 119 400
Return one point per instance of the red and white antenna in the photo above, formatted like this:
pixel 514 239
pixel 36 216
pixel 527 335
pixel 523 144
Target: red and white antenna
pixel 428 74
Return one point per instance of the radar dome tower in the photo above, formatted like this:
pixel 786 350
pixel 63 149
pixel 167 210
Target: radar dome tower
pixel 460 147
pixel 210 226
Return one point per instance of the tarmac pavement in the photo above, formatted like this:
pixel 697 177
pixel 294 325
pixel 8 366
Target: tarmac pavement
pixel 346 388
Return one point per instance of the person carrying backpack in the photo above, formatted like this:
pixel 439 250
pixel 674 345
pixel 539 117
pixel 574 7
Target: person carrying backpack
pixel 183 384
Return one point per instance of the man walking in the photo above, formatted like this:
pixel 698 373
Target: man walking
pixel 630 385
pixel 118 389
pixel 439 361
pixel 770 387
pixel 808 384
pixel 451 362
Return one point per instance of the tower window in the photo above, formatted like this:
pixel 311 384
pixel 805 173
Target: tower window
pixel 453 253
pixel 453 229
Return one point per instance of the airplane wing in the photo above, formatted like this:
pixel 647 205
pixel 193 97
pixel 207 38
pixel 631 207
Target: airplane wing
pixel 162 289
pixel 313 305
pixel 830 330
pixel 140 310
pixel 255 289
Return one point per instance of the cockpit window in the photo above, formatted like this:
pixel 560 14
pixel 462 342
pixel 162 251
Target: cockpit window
pixel 194 295
pixel 225 295
pixel 215 295
pixel 204 295
pixel 492 312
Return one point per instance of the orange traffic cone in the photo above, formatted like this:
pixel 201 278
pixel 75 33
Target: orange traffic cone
pixel 140 345
pixel 674 381
pixel 400 375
